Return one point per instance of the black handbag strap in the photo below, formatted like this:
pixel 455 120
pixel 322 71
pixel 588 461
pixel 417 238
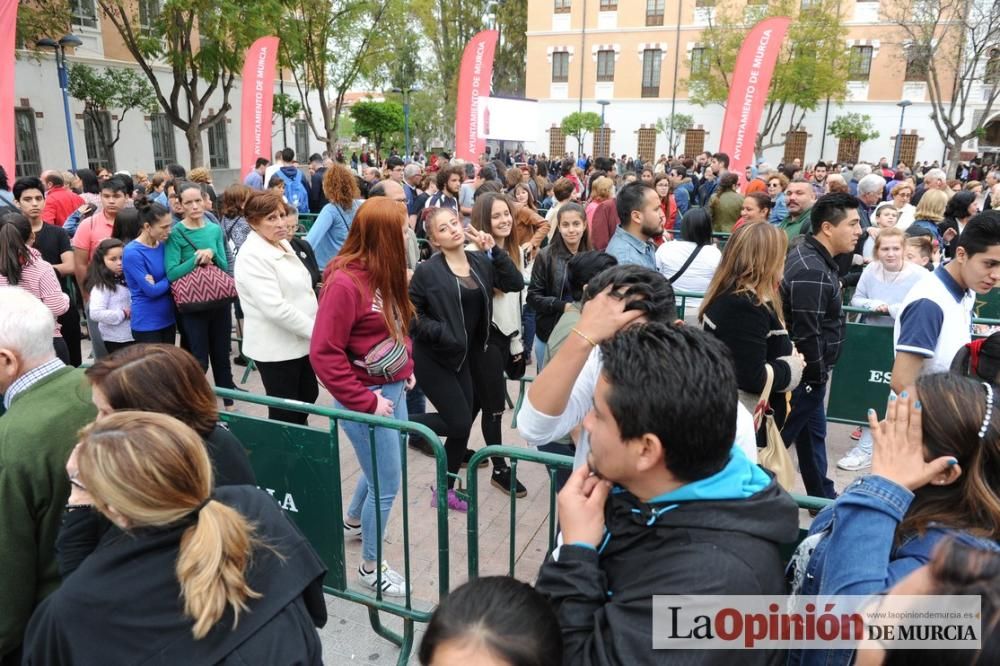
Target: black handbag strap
pixel 676 276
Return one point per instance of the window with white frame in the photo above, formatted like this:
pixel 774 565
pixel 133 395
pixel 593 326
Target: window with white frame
pixel 560 66
pixel 97 133
pixel 26 157
pixel 651 60
pixel 164 148
pixel 606 65
pixel 83 13
pixel 218 145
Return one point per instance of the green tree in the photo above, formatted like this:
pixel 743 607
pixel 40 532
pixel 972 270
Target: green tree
pixel 511 19
pixel 673 128
pixel 112 88
pixel 952 45
pixel 448 25
pixel 377 121
pixel 580 123
pixel 811 68
pixel 284 107
pixel 202 42
pixel 855 126
pixel 328 46
pixel 427 119
pixel 41 18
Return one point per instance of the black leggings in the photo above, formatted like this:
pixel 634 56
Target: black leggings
pixel 112 347
pixel 489 389
pixel 293 379
pixel 451 394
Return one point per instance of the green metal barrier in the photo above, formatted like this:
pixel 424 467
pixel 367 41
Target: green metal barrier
pixel 306 221
pixel 554 462
pixel 861 379
pixel 300 467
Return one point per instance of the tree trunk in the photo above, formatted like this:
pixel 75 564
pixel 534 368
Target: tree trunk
pixel 954 157
pixel 195 149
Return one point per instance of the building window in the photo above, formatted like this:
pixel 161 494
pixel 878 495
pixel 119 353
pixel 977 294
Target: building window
pixel 908 148
pixel 861 63
pixel 606 65
pixel 26 159
pixel 811 4
pixel 557 142
pixel 149 12
pixel 83 13
pixel 560 67
pixel 646 150
pixel 795 146
pixel 700 62
pixel 164 149
pixel 654 11
pixel 918 62
pixel 694 141
pixel 651 59
pixel 99 156
pixel 562 7
pixel 991 76
pixel 302 140
pixel 218 145
pixel 609 5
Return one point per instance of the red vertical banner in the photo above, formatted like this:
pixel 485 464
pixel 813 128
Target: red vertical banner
pixel 474 79
pixel 748 91
pixel 8 28
pixel 257 102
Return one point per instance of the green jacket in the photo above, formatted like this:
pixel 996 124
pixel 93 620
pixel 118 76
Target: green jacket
pixel 37 435
pixel 725 210
pixel 796 226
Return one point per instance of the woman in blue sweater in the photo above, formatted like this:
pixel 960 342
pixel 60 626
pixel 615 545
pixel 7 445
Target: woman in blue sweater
pixel 329 231
pixel 146 276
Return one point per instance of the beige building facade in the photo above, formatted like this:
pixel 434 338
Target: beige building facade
pixel 637 56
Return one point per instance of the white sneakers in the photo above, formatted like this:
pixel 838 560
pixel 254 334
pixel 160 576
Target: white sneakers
pixel 393 585
pixel 855 460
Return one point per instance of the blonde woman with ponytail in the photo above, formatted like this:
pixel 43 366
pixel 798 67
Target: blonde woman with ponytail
pixel 198 578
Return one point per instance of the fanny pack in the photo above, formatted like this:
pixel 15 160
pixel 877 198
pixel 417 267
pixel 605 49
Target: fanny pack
pixel 385 360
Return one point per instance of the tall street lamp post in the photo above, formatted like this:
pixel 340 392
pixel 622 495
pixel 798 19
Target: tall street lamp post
pixel 899 135
pixel 60 51
pixel 406 118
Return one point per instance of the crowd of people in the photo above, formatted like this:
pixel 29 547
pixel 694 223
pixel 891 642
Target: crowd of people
pixel 436 279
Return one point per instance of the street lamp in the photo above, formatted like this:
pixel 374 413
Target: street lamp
pixel 604 105
pixel 899 135
pixel 406 117
pixel 60 52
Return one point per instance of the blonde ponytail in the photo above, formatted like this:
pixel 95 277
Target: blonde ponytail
pixel 169 477
pixel 211 566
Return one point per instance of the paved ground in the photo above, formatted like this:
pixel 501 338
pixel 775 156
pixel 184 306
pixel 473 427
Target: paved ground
pixel 348 637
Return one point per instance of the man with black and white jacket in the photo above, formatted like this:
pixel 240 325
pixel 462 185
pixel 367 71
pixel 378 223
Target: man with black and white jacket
pixel 812 299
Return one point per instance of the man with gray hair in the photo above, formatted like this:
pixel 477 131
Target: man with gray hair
pixel 46 404
pixel 935 179
pixel 860 171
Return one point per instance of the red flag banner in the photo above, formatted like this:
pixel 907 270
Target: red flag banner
pixel 474 79
pixel 257 102
pixel 8 27
pixel 748 91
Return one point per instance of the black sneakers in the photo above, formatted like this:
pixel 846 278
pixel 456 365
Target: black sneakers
pixel 420 445
pixel 501 479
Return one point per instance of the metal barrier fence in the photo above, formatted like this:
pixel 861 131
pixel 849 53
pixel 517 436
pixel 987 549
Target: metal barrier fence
pixel 300 467
pixel 553 463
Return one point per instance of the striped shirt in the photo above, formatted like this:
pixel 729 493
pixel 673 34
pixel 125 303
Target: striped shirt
pixel 38 278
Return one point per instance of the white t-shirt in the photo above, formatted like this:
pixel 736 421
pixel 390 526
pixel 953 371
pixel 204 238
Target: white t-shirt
pixel 671 256
pixel 538 428
pixel 935 320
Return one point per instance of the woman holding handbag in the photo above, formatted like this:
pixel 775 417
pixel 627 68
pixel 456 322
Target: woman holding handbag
pixel 279 306
pixel 493 213
pixel 361 352
pixel 193 244
pixel 742 307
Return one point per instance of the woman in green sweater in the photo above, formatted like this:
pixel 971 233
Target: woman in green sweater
pixel 195 241
pixel 726 205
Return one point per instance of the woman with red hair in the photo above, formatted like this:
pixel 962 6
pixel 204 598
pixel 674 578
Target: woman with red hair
pixel 362 353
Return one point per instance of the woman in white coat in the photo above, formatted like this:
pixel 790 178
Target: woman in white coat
pixel 279 306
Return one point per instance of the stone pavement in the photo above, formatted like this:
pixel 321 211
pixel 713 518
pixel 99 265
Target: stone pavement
pixel 348 637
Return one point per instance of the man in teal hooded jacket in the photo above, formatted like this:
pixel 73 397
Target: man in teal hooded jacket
pixel 666 505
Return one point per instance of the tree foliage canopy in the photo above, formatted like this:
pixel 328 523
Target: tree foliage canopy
pixel 377 120
pixel 580 123
pixel 856 126
pixel 812 65
pixel 112 88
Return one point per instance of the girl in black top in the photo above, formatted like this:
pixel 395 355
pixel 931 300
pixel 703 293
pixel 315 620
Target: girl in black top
pixel 453 296
pixel 742 307
pixel 548 292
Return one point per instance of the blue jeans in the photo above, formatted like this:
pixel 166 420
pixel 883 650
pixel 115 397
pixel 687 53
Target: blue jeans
pixel 528 327
pixel 806 428
pixel 389 468
pixel 539 353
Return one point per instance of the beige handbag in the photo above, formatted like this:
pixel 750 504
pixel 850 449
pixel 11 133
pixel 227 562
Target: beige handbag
pixel 774 456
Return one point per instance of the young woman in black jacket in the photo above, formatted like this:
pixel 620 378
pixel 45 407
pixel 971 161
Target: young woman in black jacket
pixel 548 291
pixel 742 307
pixel 453 296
